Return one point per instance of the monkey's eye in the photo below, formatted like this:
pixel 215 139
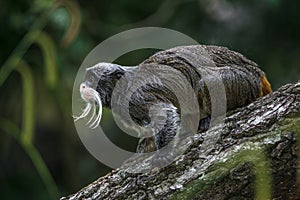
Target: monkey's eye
pixel 119 75
pixel 91 79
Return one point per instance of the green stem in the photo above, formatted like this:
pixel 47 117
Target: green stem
pixel 48 48
pixel 42 169
pixel 28 102
pixel 10 128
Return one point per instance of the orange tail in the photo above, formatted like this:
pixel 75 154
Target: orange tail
pixel 265 86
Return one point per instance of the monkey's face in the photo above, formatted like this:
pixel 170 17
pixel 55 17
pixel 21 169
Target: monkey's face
pixel 103 77
pixel 96 90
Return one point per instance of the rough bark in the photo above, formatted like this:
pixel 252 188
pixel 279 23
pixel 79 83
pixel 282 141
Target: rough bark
pixel 257 149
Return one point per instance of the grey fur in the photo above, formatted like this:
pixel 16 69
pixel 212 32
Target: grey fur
pixel 241 78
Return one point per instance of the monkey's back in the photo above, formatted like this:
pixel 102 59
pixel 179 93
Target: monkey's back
pixel 242 79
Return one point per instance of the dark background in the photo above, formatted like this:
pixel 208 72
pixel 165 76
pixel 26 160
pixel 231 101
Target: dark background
pixel 265 31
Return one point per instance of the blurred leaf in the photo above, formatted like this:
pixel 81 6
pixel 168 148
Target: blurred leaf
pixel 11 63
pixel 42 169
pixel 48 47
pixel 40 5
pixel 274 2
pixel 74 20
pixel 60 18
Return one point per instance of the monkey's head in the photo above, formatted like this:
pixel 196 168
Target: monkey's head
pixel 103 77
pixel 97 89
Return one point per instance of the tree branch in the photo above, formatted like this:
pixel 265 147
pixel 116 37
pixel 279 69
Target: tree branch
pixel 255 157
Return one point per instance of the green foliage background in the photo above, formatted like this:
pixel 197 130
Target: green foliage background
pixel 43 43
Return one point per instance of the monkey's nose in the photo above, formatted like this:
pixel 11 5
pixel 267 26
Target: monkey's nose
pixel 86 92
pixel 82 87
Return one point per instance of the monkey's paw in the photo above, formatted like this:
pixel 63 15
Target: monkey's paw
pixel 204 124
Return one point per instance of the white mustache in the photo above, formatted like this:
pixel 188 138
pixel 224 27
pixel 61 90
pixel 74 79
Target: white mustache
pixel 91 98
